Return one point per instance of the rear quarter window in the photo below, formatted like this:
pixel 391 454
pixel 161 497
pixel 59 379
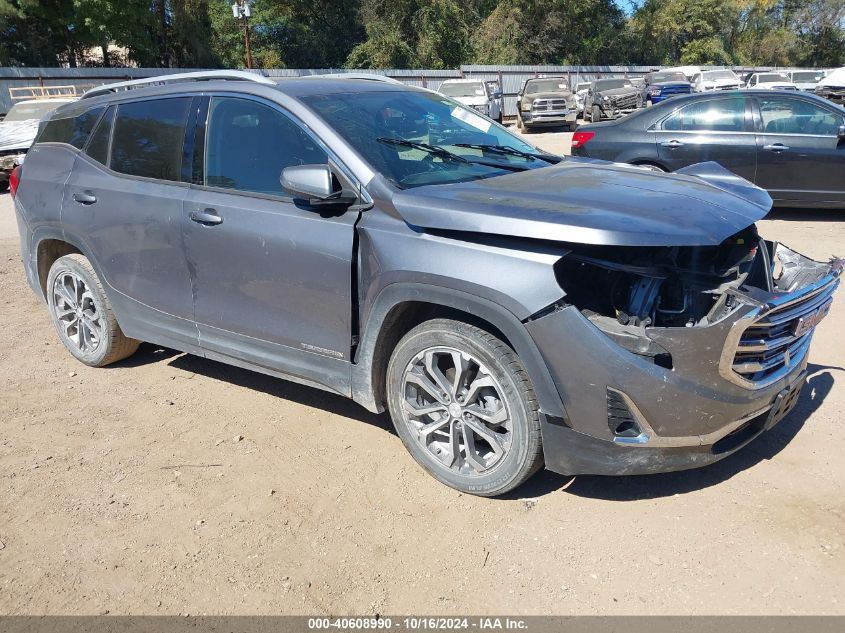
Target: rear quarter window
pixel 73 130
pixel 148 137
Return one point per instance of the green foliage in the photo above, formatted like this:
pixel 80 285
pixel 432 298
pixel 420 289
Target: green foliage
pixel 422 33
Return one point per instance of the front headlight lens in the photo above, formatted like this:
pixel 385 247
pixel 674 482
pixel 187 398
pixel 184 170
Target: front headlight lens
pixel 605 98
pixel 526 106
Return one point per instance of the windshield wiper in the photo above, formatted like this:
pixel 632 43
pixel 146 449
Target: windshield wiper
pixel 431 149
pixel 506 150
pixel 445 154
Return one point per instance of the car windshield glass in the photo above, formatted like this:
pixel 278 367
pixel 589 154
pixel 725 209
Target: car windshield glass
pixel 807 76
pixel 712 75
pixel 463 90
pixel 546 85
pixel 767 77
pixel 610 84
pixel 24 111
pixel 660 77
pixel 396 131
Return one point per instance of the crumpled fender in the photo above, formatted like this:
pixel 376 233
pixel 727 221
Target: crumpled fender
pixel 716 175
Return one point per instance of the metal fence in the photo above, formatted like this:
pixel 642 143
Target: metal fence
pixel 510 78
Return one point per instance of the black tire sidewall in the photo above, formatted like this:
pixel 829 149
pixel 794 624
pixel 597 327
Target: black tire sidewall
pixel 593 117
pixel 502 477
pixel 97 357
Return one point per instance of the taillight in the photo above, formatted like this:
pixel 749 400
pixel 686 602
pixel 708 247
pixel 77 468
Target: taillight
pixel 579 138
pixel 14 180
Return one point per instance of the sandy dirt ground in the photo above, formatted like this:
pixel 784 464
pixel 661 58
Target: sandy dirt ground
pixel 169 484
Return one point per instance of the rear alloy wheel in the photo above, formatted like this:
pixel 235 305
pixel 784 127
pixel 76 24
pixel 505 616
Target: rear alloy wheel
pixel 82 314
pixel 463 405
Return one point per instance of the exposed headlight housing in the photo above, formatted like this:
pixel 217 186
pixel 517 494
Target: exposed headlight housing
pixel 605 98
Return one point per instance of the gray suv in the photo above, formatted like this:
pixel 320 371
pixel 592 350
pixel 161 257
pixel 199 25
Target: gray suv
pixel 509 308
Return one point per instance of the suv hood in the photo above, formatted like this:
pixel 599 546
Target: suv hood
pixel 615 92
pixel 559 94
pixel 593 202
pixel 17 134
pixel 473 100
pixel 719 84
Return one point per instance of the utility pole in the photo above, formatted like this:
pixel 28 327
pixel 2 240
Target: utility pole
pixel 241 12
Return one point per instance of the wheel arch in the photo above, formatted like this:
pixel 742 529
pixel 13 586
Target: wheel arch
pixel 48 248
pixel 402 306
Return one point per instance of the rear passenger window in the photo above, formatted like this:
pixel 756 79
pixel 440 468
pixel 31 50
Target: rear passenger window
pixel 73 130
pixel 98 148
pixel 148 138
pixel 713 115
pixel 249 144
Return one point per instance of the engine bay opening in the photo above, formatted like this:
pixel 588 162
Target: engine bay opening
pixel 679 286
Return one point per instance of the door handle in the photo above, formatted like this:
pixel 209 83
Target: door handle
pixel 672 144
pixel 84 197
pixel 776 147
pixel 207 217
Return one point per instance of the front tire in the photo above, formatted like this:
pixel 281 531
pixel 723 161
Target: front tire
pixel 595 115
pixel 82 314
pixel 464 407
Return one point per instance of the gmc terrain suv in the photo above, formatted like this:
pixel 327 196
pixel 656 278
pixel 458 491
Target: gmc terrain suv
pixel 510 308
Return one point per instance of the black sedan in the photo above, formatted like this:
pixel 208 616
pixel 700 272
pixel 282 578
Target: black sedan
pixel 791 144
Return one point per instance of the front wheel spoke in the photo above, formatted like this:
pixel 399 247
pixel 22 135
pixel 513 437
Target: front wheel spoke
pixel 84 336
pixel 491 417
pixel 423 410
pixel 472 455
pixel 91 326
pixel 61 313
pixel 65 295
pixel 426 430
pixel 425 384
pixel 487 435
pixel 433 370
pixel 69 325
pixel 481 381
pixel 454 444
pixel 461 363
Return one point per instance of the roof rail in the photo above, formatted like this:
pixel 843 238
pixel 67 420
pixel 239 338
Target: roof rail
pixel 160 80
pixel 353 75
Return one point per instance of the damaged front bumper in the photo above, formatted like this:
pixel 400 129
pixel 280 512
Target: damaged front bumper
pixel 726 383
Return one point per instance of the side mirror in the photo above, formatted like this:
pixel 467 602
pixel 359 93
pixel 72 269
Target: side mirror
pixel 841 134
pixel 314 183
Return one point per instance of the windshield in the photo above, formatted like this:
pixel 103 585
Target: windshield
pixel 24 111
pixel 768 77
pixel 807 76
pixel 463 90
pixel 546 85
pixel 610 84
pixel 711 75
pixel 395 131
pixel 657 78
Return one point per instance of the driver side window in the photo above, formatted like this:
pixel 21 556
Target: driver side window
pixel 248 144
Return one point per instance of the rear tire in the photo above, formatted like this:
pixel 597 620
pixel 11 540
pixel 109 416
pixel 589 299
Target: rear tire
pixel 82 314
pixel 464 407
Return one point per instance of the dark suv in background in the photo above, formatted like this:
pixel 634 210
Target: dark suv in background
pixel 611 99
pixel 508 307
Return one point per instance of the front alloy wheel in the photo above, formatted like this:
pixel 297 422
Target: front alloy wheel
pixel 456 411
pixel 464 407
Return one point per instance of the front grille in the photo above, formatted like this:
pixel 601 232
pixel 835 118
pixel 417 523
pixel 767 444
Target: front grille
pixel 675 90
pixel 625 102
pixel 548 105
pixel 775 338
